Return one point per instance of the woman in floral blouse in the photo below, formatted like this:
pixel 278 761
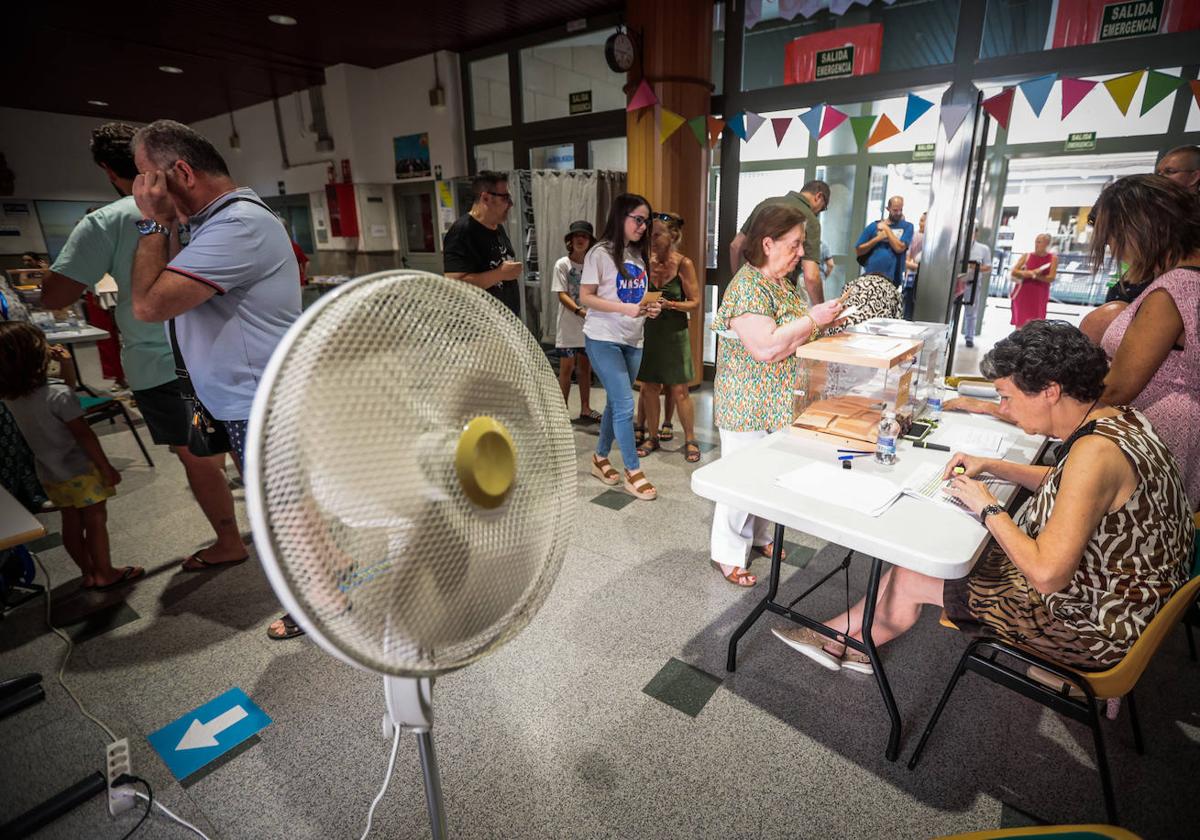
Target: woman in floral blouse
pixel 756 370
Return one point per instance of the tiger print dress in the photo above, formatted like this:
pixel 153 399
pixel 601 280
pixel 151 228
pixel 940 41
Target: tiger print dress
pixel 1134 562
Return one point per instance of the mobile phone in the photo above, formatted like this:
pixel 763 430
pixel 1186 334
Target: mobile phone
pixel 918 430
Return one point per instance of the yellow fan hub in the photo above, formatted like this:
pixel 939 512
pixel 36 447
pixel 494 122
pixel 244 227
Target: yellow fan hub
pixel 486 462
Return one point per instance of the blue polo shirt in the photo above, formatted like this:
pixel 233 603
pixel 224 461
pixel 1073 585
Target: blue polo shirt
pixel 882 259
pixel 243 253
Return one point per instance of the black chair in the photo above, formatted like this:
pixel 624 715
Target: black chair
pixel 98 409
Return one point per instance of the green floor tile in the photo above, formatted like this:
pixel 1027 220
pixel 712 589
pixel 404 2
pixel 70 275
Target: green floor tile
pixel 798 555
pixel 613 499
pixel 682 686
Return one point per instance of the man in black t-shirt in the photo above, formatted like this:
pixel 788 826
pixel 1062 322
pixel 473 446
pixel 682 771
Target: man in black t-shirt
pixel 477 249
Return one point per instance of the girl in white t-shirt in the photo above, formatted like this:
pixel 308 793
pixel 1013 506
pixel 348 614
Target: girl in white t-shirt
pixel 568 339
pixel 613 290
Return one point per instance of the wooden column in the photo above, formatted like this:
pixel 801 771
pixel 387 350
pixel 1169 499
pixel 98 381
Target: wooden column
pixel 675 57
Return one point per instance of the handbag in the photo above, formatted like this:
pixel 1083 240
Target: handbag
pixel 206 434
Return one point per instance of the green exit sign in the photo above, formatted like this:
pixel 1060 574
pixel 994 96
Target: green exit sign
pixel 923 152
pixel 836 63
pixel 1130 19
pixel 1080 141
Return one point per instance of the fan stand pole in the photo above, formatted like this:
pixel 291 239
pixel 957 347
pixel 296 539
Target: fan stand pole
pixel 410 707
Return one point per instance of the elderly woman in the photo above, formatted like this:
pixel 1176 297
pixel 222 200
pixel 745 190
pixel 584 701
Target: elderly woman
pixel 1062 578
pixel 756 368
pixel 1032 276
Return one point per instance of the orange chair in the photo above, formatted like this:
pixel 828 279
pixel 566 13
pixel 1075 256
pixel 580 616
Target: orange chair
pixel 1064 832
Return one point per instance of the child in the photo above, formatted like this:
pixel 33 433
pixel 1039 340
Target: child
pixel 72 466
pixel 569 336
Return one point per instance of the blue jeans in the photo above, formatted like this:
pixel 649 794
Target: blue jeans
pixel 616 365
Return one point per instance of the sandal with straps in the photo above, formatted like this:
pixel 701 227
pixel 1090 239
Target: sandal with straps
pixel 605 471
pixel 647 446
pixel 639 435
pixel 667 432
pixel 691 451
pixel 738 576
pixel 639 487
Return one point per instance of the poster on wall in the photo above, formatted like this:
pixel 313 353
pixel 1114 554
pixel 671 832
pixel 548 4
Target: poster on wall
pixel 412 156
pixel 1076 22
pixel 834 54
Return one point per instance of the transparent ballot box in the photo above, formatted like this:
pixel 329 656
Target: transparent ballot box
pixel 931 363
pixel 845 382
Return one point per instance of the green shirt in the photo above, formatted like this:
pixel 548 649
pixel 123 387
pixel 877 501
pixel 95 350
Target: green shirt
pixel 103 243
pixel 812 225
pixel 748 395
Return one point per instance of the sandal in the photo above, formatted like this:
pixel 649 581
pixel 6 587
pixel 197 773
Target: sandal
pixel 738 576
pixel 128 575
pixel 766 550
pixel 667 432
pixel 290 629
pixel 691 451
pixel 647 446
pixel 639 435
pixel 605 471
pixel 199 564
pixel 637 484
pixel 591 416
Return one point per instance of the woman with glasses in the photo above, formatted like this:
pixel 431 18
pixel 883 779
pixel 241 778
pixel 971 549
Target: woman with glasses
pixel 667 355
pixel 613 290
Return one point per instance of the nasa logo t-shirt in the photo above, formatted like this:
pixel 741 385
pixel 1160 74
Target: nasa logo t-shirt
pixel 600 270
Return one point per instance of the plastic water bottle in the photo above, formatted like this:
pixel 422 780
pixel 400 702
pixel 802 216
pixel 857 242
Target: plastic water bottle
pixel 936 394
pixel 885 446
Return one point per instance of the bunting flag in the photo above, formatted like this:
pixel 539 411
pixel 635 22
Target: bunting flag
pixel 1073 92
pixel 715 124
pixel 1122 89
pixel 915 109
pixel 812 119
pixel 1195 83
pixel 781 126
pixel 1000 106
pixel 831 120
pixel 643 97
pixel 953 116
pixel 1037 91
pixel 753 123
pixel 737 124
pixel 669 124
pixel 884 129
pixel 699 127
pixel 1158 87
pixel 861 126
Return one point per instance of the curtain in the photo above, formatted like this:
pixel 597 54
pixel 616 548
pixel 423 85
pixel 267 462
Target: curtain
pixel 609 185
pixel 559 198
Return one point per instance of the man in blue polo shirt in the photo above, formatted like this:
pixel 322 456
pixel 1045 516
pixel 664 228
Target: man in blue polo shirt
pixel 883 244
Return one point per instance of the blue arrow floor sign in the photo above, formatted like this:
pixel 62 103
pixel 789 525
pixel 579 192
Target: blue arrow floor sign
pixel 202 735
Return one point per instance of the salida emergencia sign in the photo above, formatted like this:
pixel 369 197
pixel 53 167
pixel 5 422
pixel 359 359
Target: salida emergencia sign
pixel 835 63
pixel 1130 19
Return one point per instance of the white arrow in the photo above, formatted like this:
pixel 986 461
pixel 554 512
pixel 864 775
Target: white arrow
pixel 201 735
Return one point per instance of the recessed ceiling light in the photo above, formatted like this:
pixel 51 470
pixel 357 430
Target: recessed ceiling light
pixel 167 68
pixel 282 20
pixel 99 103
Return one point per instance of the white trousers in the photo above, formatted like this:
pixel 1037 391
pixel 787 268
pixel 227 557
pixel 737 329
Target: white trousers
pixel 734 532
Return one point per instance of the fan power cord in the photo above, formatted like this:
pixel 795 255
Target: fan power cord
pixel 391 766
pixel 127 779
pixel 172 815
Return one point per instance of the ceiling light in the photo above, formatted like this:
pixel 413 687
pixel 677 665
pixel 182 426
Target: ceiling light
pixel 282 20
pixel 167 68
pixel 99 103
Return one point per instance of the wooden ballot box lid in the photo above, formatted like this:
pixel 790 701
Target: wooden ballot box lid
pixel 875 351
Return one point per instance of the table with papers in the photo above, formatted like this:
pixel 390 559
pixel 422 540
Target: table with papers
pixel 876 510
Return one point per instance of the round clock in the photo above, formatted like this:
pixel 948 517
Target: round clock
pixel 619 52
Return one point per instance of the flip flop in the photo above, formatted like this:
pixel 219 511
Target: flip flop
pixel 290 629
pixel 205 566
pixel 128 575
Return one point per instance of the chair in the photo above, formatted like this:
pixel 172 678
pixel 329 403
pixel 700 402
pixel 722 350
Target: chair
pixel 1118 681
pixel 1192 617
pixel 99 409
pixel 1065 832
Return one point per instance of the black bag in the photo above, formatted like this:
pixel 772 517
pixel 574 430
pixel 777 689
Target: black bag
pixel 206 434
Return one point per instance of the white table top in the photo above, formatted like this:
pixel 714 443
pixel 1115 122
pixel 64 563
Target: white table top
pixel 17 525
pixel 79 335
pixel 913 533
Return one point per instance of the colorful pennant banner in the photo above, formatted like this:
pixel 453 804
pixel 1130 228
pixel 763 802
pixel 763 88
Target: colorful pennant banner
pixel 669 123
pixel 643 97
pixel 781 126
pixel 1195 85
pixel 915 109
pixel 1122 89
pixel 812 119
pixel 1000 106
pixel 861 126
pixel 737 124
pixel 953 115
pixel 715 124
pixel 1073 92
pixel 753 123
pixel 884 129
pixel 831 120
pixel 699 127
pixel 1037 91
pixel 1158 87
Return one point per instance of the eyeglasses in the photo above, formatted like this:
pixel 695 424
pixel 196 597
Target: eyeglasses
pixel 668 218
pixel 1169 171
pixel 506 196
pixel 640 221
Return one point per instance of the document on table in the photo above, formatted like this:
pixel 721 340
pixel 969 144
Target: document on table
pixel 857 491
pixel 982 442
pixel 926 482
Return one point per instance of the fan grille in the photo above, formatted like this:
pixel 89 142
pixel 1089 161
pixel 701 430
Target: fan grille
pixel 367 523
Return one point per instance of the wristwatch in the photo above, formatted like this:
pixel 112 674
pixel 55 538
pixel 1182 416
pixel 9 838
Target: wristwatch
pixel 148 226
pixel 988 511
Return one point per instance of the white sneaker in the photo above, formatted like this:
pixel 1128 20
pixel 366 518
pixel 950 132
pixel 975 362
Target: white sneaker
pixel 852 660
pixel 809 643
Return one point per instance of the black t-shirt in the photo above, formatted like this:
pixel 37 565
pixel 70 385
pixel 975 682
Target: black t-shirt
pixel 473 248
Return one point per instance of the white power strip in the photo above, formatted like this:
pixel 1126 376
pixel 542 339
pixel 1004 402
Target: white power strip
pixel 121 797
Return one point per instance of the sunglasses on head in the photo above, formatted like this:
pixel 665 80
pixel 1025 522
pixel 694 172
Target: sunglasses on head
pixel 667 218
pixel 1091 220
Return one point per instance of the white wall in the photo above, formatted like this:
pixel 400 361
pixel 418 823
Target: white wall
pixel 48 154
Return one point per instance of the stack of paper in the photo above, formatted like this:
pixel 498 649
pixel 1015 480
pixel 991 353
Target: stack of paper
pixel 982 442
pixel 857 491
pixel 926 482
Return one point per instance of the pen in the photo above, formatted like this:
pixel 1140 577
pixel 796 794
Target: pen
pixel 920 444
pixel 855 455
pixel 855 452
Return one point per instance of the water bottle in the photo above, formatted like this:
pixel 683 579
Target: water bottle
pixel 885 446
pixel 937 392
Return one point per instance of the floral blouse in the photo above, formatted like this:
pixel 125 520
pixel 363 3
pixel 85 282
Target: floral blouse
pixel 754 396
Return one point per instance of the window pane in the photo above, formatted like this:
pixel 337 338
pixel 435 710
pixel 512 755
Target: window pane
pixel 1022 26
pixel 754 187
pixel 718 48
pixel 609 153
pixel 490 101
pixel 417 213
pixel 552 72
pixel 497 156
pixel 923 131
pixel 714 211
pixel 837 229
pixel 901 36
pixel 559 156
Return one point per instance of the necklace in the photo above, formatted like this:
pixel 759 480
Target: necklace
pixel 1079 431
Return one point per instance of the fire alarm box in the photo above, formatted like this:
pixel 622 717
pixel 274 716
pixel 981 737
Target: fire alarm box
pixel 343 215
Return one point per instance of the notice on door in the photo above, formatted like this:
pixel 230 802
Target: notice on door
pixel 1130 19
pixel 1080 141
pixel 836 63
pixel 581 102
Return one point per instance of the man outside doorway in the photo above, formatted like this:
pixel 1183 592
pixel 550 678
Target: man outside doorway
pixel 477 249
pixel 811 201
pixel 883 244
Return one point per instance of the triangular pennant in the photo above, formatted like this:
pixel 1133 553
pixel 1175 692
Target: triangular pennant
pixel 861 126
pixel 1073 91
pixel 781 126
pixel 1037 91
pixel 753 123
pixel 812 119
pixel 953 116
pixel 1000 106
pixel 715 124
pixel 699 127
pixel 669 123
pixel 915 109
pixel 1122 89
pixel 831 120
pixel 884 129
pixel 643 97
pixel 1195 84
pixel 1158 87
pixel 737 124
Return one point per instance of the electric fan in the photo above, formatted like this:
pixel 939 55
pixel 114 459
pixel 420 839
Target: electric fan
pixel 410 480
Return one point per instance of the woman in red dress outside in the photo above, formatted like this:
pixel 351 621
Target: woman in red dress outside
pixel 1032 276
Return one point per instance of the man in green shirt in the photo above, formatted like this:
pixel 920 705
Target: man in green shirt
pixel 812 200
pixel 103 243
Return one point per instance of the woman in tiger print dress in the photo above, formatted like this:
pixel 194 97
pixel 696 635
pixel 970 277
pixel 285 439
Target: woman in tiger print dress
pixel 1105 540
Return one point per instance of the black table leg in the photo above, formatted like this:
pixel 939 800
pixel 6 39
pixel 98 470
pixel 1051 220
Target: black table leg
pixel 893 747
pixel 760 608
